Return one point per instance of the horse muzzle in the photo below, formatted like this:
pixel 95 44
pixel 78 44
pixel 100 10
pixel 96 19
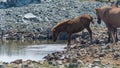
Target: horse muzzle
pixel 99 22
pixel 54 39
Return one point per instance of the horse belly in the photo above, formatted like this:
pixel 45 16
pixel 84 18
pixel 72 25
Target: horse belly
pixel 76 30
pixel 116 25
pixel 114 20
pixel 76 27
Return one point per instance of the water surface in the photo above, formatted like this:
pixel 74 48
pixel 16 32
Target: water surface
pixel 33 50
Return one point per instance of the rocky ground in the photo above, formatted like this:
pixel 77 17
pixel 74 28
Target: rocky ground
pixel 81 54
pixel 39 18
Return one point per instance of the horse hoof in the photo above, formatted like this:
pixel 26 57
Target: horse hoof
pixel 65 47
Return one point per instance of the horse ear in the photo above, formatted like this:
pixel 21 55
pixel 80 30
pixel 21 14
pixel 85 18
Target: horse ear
pixel 52 29
pixel 96 9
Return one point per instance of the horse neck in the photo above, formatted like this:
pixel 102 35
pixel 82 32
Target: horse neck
pixel 104 11
pixel 61 28
pixel 101 14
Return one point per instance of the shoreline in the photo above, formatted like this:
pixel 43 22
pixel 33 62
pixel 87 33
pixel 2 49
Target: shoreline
pixel 82 53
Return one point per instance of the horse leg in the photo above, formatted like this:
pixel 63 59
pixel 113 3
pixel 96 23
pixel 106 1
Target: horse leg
pixel 69 39
pixel 113 35
pixel 116 37
pixel 109 32
pixel 112 32
pixel 90 32
pixel 109 35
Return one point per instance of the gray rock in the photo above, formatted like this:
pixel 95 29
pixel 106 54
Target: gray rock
pixel 2 65
pixel 80 63
pixel 25 65
pixel 116 55
pixel 46 12
pixel 96 62
pixel 59 62
pixel 19 61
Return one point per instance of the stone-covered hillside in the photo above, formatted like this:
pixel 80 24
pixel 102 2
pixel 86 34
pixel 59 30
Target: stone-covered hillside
pixel 39 18
pixel 44 15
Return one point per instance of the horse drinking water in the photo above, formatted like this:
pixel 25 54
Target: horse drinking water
pixel 73 26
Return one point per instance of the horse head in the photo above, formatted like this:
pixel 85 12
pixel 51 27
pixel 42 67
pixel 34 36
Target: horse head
pixel 91 18
pixel 98 13
pixel 101 12
pixel 54 34
pixel 59 27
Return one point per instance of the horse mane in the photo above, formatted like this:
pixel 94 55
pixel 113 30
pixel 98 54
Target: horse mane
pixel 58 24
pixel 91 17
pixel 88 16
pixel 70 21
pixel 104 10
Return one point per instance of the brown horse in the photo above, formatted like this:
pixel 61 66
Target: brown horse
pixel 73 26
pixel 110 16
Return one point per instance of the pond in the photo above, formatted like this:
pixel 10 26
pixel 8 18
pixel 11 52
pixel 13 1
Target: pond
pixel 33 50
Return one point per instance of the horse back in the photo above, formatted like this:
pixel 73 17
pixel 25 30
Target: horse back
pixel 79 23
pixel 112 16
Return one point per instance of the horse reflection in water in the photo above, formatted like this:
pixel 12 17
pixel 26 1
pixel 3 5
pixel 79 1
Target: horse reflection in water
pixel 73 26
